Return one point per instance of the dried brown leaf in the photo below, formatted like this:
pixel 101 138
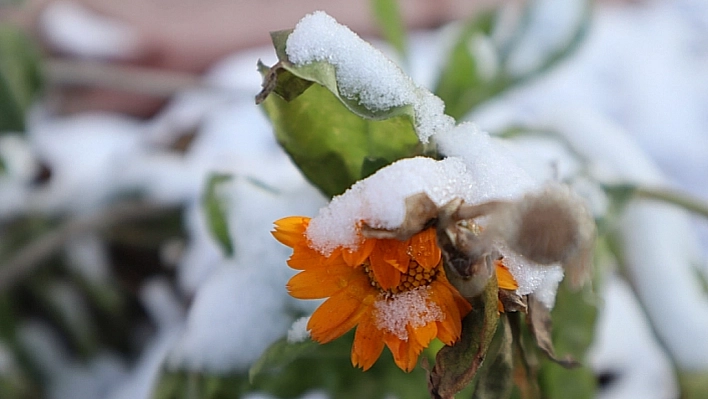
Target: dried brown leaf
pixel 539 322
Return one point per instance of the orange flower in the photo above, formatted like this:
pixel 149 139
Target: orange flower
pixel 394 292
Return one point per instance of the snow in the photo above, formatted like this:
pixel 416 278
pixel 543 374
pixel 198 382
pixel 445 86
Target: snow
pixel 625 347
pixel 652 235
pixel 630 103
pixel 379 199
pixel 234 317
pixel 298 332
pixel 65 23
pixel 363 73
pixel 541 280
pixel 483 173
pixel 496 175
pixel 412 307
pixel 241 306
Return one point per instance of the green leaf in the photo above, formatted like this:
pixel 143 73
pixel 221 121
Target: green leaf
pixel 279 354
pixel 465 82
pixel 216 212
pixel 574 317
pixel 333 146
pixel 334 140
pixel 390 21
pixel 693 384
pixel 495 380
pixel 461 84
pixel 457 365
pixel 326 368
pixel 20 78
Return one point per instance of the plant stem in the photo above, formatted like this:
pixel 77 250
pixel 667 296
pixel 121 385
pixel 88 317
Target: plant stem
pixel 688 202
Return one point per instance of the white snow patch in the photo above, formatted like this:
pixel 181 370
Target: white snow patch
pixel 379 199
pixel 235 316
pixel 495 173
pixel 364 73
pixel 72 28
pixel 412 307
pixel 541 280
pixel 626 347
pixel 298 331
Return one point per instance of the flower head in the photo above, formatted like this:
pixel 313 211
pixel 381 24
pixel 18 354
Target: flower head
pixel 394 292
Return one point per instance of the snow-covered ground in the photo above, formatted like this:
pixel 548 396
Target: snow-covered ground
pixel 631 101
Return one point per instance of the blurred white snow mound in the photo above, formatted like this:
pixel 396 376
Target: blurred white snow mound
pixel 625 348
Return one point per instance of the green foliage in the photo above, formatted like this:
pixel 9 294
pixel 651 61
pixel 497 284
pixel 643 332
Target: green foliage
pixel 215 210
pixel 280 354
pixel 467 80
pixel 20 78
pixel 457 365
pixel 333 147
pixel 334 140
pixel 325 367
pixel 495 379
pixel 574 318
pixel 390 21
pixel 461 84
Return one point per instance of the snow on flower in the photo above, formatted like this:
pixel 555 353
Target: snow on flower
pixel 394 292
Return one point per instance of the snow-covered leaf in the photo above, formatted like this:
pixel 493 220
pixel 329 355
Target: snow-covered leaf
pixel 341 107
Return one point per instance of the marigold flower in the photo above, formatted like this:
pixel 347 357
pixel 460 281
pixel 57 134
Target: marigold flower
pixel 394 292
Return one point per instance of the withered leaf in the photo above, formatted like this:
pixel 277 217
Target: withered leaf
pixel 525 362
pixel 281 81
pixel 421 211
pixel 456 365
pixel 539 322
pixel 511 301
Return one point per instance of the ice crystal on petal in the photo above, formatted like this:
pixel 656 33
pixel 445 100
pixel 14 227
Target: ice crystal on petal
pixel 412 307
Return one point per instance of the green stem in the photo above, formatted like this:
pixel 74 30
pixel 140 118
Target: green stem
pixel 685 201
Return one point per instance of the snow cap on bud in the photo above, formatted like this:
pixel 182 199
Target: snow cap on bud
pixel 549 226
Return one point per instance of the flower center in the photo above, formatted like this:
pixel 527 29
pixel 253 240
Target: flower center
pixel 417 276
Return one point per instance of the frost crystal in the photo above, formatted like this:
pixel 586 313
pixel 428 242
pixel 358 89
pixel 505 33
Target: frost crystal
pixel 364 73
pixel 298 332
pixel 410 307
pixel 541 280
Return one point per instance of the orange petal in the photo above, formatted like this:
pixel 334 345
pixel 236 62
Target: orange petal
pixel 341 312
pixel 393 253
pixel 450 327
pixel 304 258
pixel 368 342
pixel 505 279
pixel 405 352
pixel 356 258
pixel 424 334
pixel 385 274
pixel 424 249
pixel 291 230
pixel 462 304
pixel 322 282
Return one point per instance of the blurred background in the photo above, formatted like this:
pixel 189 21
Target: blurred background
pixel 131 267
